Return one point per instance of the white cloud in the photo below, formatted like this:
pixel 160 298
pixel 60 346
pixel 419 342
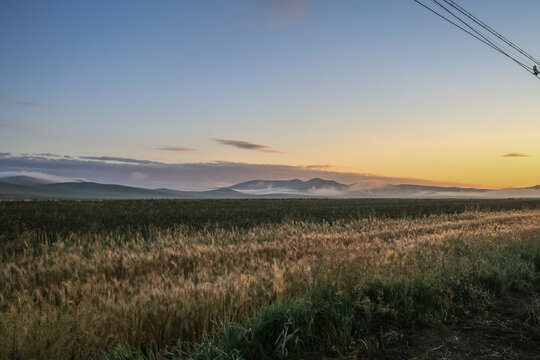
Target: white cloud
pixel 138 175
pixel 182 176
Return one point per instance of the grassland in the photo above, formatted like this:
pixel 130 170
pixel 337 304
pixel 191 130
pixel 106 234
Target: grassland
pixel 250 279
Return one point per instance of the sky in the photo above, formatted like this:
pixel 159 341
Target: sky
pixel 138 92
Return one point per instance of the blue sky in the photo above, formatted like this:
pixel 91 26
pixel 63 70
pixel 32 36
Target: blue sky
pixel 367 87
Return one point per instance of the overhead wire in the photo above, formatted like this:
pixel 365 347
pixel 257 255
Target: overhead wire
pixel 503 46
pixel 453 23
pixel 482 37
pixel 491 30
pixel 492 43
pixel 507 45
pixel 495 46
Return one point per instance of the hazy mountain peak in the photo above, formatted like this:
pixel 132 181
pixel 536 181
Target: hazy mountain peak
pixel 24 186
pixel 25 180
pixel 295 185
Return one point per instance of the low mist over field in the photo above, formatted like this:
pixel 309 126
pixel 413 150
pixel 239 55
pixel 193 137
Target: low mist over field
pixel 46 186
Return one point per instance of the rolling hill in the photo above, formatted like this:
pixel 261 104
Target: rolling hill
pixel 25 187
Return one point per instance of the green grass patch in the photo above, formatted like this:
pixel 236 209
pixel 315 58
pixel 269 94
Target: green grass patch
pixel 338 320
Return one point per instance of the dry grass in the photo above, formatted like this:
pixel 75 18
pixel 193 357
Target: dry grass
pixel 84 294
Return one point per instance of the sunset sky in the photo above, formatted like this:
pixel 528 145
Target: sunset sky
pixel 131 91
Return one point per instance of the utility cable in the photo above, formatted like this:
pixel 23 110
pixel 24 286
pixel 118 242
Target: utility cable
pixel 491 30
pixel 479 36
pixel 487 41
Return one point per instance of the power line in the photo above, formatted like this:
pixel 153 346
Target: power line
pixel 453 23
pixel 480 36
pixel 487 41
pixel 502 47
pixel 491 30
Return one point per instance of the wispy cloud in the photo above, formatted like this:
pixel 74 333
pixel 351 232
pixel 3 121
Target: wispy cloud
pixel 187 176
pixel 515 155
pixel 175 148
pixel 246 145
pixel 47 155
pixel 319 167
pixel 279 13
pixel 20 102
pixel 283 8
pixel 118 159
pixel 27 103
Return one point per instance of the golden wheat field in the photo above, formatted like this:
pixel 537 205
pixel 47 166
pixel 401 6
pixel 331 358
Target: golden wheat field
pixel 83 294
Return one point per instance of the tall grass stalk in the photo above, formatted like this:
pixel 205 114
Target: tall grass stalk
pixel 313 286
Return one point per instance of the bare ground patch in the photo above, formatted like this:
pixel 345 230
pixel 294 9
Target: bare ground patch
pixel 507 329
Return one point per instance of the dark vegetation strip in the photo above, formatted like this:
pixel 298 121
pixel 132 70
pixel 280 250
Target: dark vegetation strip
pixel 345 310
pixel 50 219
pixel 336 319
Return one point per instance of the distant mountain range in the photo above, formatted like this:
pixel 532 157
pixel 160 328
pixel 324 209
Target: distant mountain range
pixel 23 187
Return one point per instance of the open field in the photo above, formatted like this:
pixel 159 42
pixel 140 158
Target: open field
pixel 250 279
pixel 508 328
pixel 45 220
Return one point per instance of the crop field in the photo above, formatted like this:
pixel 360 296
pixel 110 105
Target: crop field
pixel 251 279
